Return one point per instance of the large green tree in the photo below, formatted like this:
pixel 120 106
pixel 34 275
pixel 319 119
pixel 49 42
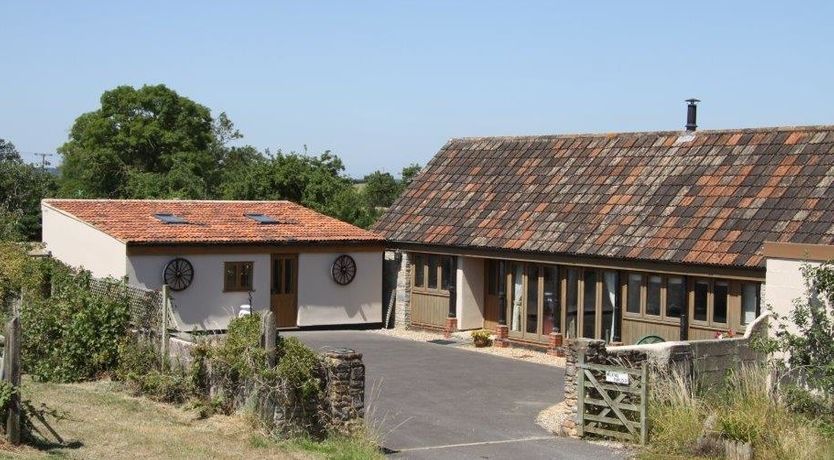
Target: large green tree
pixel 381 189
pixel 146 142
pixel 22 186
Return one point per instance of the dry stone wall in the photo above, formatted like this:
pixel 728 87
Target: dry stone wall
pixel 704 361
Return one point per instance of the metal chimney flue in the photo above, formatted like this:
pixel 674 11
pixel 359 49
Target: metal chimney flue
pixel 692 114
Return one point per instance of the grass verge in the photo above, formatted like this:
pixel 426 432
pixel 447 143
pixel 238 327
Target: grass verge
pixel 103 422
pixel 744 410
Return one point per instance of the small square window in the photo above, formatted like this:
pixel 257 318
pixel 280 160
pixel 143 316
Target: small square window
pixel 237 276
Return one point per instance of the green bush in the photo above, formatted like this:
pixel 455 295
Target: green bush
pixel 297 366
pixel 74 334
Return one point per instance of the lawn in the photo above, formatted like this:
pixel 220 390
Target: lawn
pixel 103 422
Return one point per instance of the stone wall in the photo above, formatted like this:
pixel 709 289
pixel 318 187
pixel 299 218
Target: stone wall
pixel 704 361
pixel 341 407
pixel 402 306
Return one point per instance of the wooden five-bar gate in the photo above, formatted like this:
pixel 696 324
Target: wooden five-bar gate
pixel 612 400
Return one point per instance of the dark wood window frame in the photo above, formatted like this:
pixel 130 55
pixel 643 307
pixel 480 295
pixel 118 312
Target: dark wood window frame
pixel 441 276
pixel 236 282
pixel 663 315
pixel 710 322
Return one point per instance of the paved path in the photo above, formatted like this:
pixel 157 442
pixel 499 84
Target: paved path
pixel 435 401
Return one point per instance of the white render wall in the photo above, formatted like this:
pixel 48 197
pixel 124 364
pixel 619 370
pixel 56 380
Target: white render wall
pixel 204 305
pixel 78 245
pixel 321 301
pixel 470 293
pixel 784 283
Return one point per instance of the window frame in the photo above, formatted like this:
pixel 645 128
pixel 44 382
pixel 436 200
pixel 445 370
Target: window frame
pixel 732 288
pixel 440 261
pixel 238 287
pixel 643 315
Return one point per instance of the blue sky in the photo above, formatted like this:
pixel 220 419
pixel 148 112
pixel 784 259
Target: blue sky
pixel 384 84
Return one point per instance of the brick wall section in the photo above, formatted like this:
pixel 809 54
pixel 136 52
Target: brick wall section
pixel 704 361
pixel 402 306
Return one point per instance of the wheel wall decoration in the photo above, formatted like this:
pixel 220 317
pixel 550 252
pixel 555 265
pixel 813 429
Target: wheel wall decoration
pixel 178 274
pixel 343 270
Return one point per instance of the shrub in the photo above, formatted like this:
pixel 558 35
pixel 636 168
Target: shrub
pixel 297 366
pixel 482 338
pixel 74 334
pixel 744 410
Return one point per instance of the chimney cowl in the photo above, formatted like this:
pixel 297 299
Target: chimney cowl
pixel 692 114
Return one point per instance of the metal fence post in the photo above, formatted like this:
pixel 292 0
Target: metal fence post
pixel 163 348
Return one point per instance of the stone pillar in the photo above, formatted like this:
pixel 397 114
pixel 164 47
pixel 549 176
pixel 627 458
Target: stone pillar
pixel 593 349
pixel 451 326
pixel 345 391
pixel 402 305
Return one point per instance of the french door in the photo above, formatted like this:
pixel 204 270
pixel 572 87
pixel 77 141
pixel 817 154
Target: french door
pixel 532 297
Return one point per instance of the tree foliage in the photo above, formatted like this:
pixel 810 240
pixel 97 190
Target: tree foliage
pixel 153 143
pixel 22 186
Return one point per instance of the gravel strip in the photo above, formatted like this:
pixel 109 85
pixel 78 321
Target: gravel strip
pixel 464 340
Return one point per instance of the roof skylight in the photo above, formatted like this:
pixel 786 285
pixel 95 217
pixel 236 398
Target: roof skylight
pixel 262 219
pixel 168 218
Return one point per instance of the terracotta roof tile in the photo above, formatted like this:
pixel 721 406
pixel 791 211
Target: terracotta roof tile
pixel 133 221
pixel 709 197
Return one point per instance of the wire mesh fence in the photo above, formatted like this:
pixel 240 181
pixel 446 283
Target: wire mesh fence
pixel 146 306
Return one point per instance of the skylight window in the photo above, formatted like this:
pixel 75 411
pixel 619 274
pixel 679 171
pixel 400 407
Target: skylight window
pixel 168 218
pixel 262 219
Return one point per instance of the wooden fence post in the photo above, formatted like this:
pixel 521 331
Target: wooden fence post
pixel 163 349
pixel 269 333
pixel 11 374
pixel 580 392
pixel 644 404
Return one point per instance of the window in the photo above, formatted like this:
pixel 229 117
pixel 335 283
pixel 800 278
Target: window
pixel 609 299
pixel 262 219
pixel 572 300
pixel 719 308
pixel 532 299
pixel 552 315
pixel 433 272
pixel 701 300
pixel 750 294
pixel 635 283
pixel 589 303
pixel 675 296
pixel 653 295
pixel 238 276
pixel 419 274
pixel 492 268
pixel 282 275
pixel 168 218
pixel 445 273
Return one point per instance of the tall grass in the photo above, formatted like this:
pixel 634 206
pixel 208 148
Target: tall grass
pixel 745 409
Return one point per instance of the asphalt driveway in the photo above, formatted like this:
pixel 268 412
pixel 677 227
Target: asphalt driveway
pixel 436 401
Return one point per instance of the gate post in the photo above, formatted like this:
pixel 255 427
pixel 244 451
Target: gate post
pixel 644 403
pixel 580 391
pixel 11 374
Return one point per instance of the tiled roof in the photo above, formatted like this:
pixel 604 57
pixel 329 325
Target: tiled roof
pixel 709 197
pixel 133 221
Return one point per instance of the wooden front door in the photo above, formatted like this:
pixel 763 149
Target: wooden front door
pixel 284 297
pixel 491 300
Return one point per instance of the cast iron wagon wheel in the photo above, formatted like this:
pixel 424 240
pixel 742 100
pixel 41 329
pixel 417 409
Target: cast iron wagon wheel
pixel 178 274
pixel 344 269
